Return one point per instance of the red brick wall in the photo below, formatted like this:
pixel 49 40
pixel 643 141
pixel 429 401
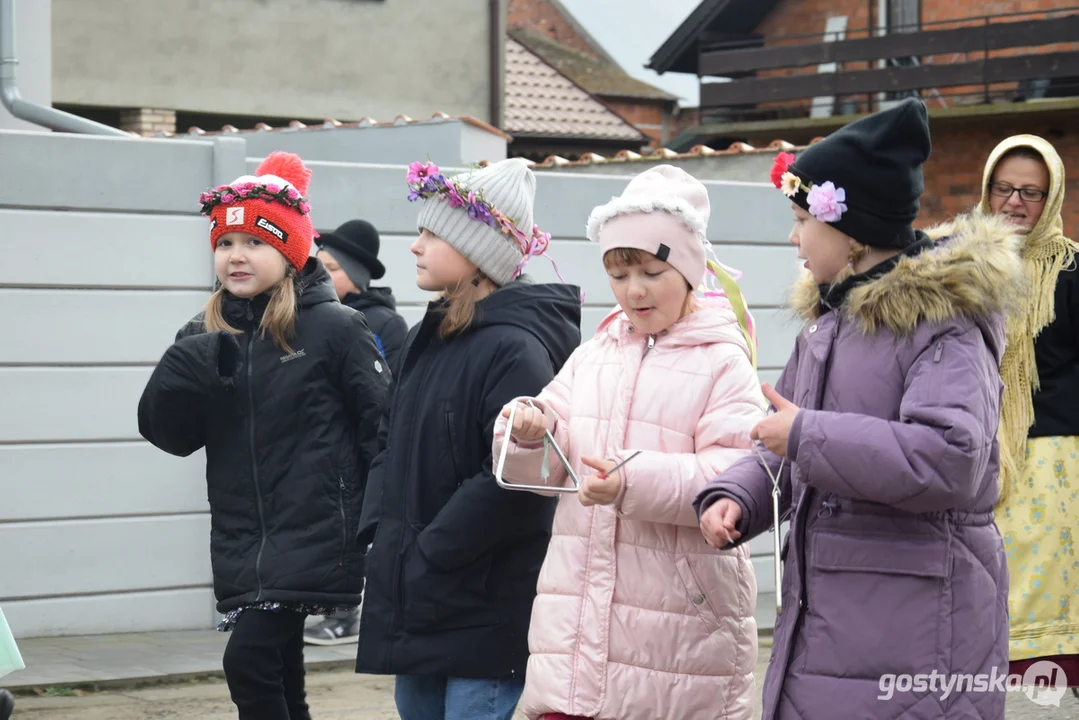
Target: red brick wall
pixel 648 116
pixel 543 17
pixel 958 13
pixel 686 118
pixel 953 175
pixel 808 17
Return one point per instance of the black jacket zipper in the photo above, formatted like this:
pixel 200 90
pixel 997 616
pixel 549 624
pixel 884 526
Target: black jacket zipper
pixel 254 456
pixel 344 521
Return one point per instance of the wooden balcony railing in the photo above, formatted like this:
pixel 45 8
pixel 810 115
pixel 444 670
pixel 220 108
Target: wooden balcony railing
pixel 985 38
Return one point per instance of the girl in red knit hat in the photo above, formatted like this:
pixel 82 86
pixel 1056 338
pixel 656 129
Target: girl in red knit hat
pixel 283 387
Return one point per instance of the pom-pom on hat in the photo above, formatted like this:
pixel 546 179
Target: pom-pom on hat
pixel 271 205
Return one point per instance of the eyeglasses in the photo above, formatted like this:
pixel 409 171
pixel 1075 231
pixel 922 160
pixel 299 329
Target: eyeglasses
pixel 1030 195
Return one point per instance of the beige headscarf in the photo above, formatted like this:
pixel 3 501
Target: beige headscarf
pixel 1045 253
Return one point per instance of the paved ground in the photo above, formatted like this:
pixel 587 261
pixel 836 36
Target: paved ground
pixel 176 666
pixel 135 657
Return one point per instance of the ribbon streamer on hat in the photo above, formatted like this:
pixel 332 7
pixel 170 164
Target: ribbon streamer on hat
pixel 535 247
pixel 727 277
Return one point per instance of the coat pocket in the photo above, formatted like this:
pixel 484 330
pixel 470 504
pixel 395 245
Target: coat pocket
pixel 342 510
pixel 436 601
pixel 875 604
pixel 699 602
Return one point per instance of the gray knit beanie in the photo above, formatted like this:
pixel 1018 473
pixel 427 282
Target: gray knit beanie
pixel 510 187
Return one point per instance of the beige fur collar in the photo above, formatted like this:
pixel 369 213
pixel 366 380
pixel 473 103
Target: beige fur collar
pixel 973 272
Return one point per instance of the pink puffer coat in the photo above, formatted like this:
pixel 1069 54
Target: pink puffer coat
pixel 636 616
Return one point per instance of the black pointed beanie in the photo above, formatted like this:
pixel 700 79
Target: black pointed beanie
pixel 865 178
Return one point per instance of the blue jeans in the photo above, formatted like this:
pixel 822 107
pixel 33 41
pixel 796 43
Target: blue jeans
pixel 432 697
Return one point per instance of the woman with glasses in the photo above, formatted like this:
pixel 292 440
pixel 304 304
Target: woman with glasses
pixel 1039 430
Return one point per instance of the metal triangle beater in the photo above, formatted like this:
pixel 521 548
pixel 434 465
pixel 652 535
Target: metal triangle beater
pixel 776 549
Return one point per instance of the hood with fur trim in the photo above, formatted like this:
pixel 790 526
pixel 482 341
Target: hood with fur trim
pixel 974 271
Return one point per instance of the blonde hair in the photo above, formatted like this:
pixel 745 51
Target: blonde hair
pixel 459 311
pixel 279 319
pixel 628 257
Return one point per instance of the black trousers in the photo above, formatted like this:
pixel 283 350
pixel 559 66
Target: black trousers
pixel 264 668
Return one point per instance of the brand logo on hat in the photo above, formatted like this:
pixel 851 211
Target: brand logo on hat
pixel 663 252
pixel 272 229
pixel 234 216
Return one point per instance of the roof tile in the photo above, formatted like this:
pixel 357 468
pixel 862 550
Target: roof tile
pixel 541 101
pixel 594 75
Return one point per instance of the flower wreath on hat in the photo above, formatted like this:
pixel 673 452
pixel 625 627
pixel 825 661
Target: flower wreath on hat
pixel 249 187
pixel 425 180
pixel 826 201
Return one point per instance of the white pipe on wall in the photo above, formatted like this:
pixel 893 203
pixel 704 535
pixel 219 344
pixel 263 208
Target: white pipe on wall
pixel 31 112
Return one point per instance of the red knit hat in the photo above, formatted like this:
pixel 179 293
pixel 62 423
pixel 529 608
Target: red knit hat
pixel 271 205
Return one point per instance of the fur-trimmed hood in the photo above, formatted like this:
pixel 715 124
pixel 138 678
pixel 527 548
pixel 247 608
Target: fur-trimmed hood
pixel 974 271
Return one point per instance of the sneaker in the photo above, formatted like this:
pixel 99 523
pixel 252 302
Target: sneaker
pixel 331 631
pixel 7 705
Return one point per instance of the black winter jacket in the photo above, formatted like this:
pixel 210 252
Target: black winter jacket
pixel 1056 352
pixel 288 438
pixel 379 306
pixel 452 571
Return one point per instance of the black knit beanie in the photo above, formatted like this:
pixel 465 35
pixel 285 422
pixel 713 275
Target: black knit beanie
pixel 865 178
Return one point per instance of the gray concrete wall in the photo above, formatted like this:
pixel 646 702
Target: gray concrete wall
pixel 444 142
pixel 106 257
pixel 749 167
pixel 285 58
pixel 33 47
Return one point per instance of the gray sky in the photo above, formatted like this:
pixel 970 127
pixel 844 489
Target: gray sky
pixel 631 30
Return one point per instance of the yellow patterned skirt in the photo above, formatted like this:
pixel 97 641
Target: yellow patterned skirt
pixel 1038 522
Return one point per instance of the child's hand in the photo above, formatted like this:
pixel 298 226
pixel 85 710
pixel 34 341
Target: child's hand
pixel 718 523
pixel 529 424
pixel 599 489
pixel 774 430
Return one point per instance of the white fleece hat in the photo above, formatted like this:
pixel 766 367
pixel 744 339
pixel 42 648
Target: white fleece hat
pixel 663 211
pixel 510 187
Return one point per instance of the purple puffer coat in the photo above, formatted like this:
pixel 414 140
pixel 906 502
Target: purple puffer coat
pixel 893 564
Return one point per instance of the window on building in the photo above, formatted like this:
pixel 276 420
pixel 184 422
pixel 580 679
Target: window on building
pixel 903 16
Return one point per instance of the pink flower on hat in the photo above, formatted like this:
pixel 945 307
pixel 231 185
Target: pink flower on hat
pixel 418 172
pixel 453 197
pixel 826 202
